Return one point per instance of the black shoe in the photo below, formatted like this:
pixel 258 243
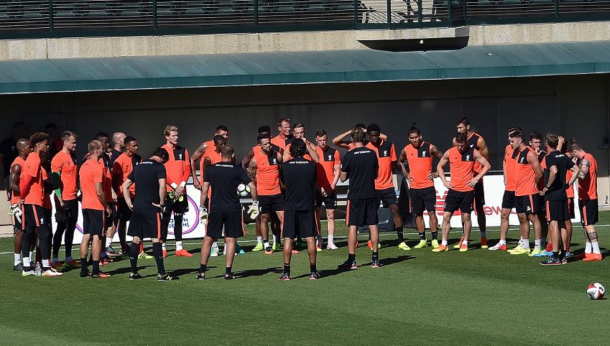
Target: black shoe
pixel 552 261
pixel 85 274
pixel 165 277
pixel 314 276
pixel 200 276
pixel 375 264
pixel 18 267
pixel 348 265
pixel 229 276
pixel 134 276
pixel 284 277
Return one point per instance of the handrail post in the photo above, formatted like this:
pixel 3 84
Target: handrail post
pixel 255 12
pixel 465 14
pixel 154 4
pixel 420 14
pixel 51 19
pixel 389 12
pixel 356 12
pixel 449 12
pixel 556 8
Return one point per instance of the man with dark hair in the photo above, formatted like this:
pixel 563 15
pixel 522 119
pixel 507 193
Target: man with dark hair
pixel 360 166
pixel 32 196
pixel 340 141
pixel 328 171
pixel 476 142
pixel 178 168
pixel 147 209
pixel 299 175
pixel 384 185
pixel 64 175
pixel 556 165
pixel 419 156
pixel 95 208
pixel 527 174
pixel 461 158
pixel 205 150
pixel 536 142
pixel 8 150
pixel 223 177
pixel 16 175
pixel 284 136
pixel 587 199
pixel 55 141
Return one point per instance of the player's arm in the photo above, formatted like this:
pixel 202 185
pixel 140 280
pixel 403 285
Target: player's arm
pixel 245 162
pixel 584 166
pixel 162 193
pixel 383 137
pixel 252 171
pixel 286 155
pixel 402 158
pixel 560 143
pixel 204 194
pixel 117 175
pixel 186 174
pixel 56 180
pixel 575 173
pixel 99 191
pixel 504 168
pixel 126 186
pixel 552 177
pixel 484 163
pixel 336 176
pixel 438 154
pixel 532 158
pixel 441 171
pixel 280 159
pixel 338 141
pixel 311 149
pixel 193 160
pixel 13 180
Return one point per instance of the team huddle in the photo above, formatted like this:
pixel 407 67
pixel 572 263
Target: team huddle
pixel 290 179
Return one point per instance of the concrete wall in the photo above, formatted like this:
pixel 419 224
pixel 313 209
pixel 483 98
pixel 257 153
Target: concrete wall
pixel 575 106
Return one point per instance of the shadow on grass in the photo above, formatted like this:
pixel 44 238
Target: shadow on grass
pixel 383 262
pixel 258 272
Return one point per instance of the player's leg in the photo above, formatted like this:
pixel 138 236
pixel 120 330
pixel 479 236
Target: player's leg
pixel 84 247
pixel 71 219
pixel 287 255
pixel 29 239
pixel 467 224
pixel 182 207
pixel 259 235
pixel 289 233
pixel 553 230
pixel 45 239
pixel 206 248
pixel 230 243
pixel 265 218
pixel 330 223
pixel 354 219
pixel 62 224
pixel 18 239
pixel 445 228
pixel 479 204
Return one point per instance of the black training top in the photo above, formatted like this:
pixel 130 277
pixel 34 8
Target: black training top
pixel 557 191
pixel 361 166
pixel 114 155
pixel 146 176
pixel 224 178
pixel 8 147
pixel 299 175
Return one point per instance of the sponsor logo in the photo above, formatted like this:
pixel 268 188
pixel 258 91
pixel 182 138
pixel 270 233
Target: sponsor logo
pixel 423 153
pixel 467 157
pixel 179 156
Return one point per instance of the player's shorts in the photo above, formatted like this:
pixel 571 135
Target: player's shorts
pixel 33 217
pixel 571 208
pixel 386 196
pixel 271 203
pixel 94 222
pixel 231 222
pixel 588 211
pixel 422 199
pixel 528 204
pixel 71 208
pixel 299 223
pixel 145 224
pixel 557 210
pixel 176 207
pixel 362 212
pixel 123 211
pixel 330 201
pixel 459 200
pixel 508 199
pixel 18 222
pixel 479 196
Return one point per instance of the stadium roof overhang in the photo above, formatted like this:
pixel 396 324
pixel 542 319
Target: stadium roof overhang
pixel 285 68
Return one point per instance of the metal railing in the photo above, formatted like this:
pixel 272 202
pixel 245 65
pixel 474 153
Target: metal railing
pixel 57 18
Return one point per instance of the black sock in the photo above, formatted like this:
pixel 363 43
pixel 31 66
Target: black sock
pixel 375 256
pixel 286 269
pixel 434 235
pixel 351 257
pixel 202 268
pixel 312 268
pixel 555 255
pixel 83 266
pixel 158 253
pixel 228 270
pixel 400 234
pixel 133 257
pixel 96 268
pixel 422 235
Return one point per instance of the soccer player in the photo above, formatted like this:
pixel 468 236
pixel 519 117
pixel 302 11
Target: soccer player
pixel 16 174
pixel 556 165
pixel 118 146
pixel 384 187
pixel 147 209
pixel 476 142
pixel 537 143
pixel 55 141
pixel 31 194
pixel 328 170
pixel 94 207
pixel 360 166
pixel 527 174
pixel 299 175
pixel 264 170
pixel 509 165
pixel 123 166
pixel 111 198
pixel 47 190
pixel 223 178
pixel 419 156
pixel 64 175
pixel 8 149
pixel 207 149
pixel 178 168
pixel 462 158
pixel 587 199
pixel 284 137
pixel 298 132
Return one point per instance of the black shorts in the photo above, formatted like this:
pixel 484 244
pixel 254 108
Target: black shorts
pixel 70 211
pixel 571 208
pixel 479 197
pixel 18 223
pixel 508 199
pixel 33 217
pixel 459 200
pixel 588 211
pixel 232 223
pixel 557 210
pixel 422 199
pixel 330 201
pixel 123 211
pixel 94 222
pixel 528 204
pixel 145 224
pixel 176 207
pixel 299 223
pixel 386 196
pixel 362 212
pixel 271 203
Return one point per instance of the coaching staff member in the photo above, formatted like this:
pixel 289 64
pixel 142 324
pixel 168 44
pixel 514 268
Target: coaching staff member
pixel 299 176
pixel 150 178
pixel 360 166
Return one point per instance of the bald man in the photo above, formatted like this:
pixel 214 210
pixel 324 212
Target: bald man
pixel 118 146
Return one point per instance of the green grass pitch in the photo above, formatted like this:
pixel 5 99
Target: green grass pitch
pixel 416 298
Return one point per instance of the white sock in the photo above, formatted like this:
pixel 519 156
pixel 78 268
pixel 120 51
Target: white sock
pixel 45 263
pixel 31 254
pixel 596 247
pixel 26 262
pixel 215 245
pixel 464 242
pixel 537 244
pixel 108 242
pixel 276 239
pixel 17 258
pixel 266 245
pixel 163 247
pixel 259 239
pixel 502 242
pixel 444 243
pixel 178 245
pixel 331 239
pixel 588 247
pixel 526 244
